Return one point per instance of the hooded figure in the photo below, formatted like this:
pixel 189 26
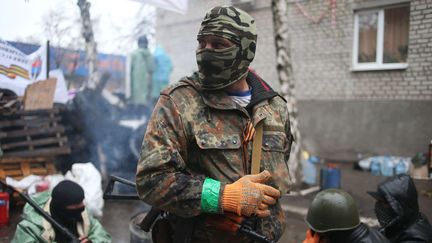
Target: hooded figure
pixel 141 71
pixel 65 205
pixel 163 69
pixel 397 211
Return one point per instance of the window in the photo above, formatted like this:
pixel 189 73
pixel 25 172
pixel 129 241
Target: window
pixel 381 38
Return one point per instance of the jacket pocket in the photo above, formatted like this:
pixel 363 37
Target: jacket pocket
pixel 206 140
pixel 275 141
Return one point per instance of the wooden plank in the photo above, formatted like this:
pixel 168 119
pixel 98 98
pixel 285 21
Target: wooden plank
pixel 21 159
pixel 39 112
pixel 10 104
pixel 25 167
pixel 13 173
pixel 20 170
pixel 40 95
pixel 51 168
pixel 40 152
pixel 39 172
pixel 37 121
pixel 37 142
pixel 10 166
pixel 32 132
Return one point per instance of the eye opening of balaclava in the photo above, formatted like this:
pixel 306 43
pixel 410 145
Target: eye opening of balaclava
pixel 67 193
pixel 218 69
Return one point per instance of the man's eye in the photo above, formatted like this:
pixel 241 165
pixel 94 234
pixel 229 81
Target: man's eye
pixel 201 44
pixel 219 45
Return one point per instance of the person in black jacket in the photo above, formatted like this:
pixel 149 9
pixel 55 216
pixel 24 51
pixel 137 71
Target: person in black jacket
pixel 397 211
pixel 333 218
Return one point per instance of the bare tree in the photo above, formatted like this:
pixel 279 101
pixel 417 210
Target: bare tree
pixel 286 79
pixel 60 31
pixel 142 23
pixel 90 43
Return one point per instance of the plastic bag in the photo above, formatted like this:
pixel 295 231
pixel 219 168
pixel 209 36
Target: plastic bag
pixel 89 178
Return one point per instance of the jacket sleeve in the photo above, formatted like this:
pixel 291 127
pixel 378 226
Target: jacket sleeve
pixel 24 234
pixel 150 63
pixel 97 233
pixel 162 178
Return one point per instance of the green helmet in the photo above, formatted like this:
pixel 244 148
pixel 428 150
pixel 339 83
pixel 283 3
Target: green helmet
pixel 332 209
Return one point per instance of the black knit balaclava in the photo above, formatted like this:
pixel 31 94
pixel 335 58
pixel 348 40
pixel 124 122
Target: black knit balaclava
pixel 66 193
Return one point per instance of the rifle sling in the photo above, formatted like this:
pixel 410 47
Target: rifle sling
pixel 256 149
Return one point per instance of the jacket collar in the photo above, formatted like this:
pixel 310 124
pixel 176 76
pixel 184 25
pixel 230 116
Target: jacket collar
pixel 219 99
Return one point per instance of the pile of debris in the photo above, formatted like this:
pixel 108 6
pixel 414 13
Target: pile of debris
pixel 30 138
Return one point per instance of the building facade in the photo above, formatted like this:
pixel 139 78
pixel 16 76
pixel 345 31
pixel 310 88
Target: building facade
pixel 362 69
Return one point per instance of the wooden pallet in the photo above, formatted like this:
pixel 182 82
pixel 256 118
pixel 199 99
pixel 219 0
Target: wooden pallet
pixel 19 168
pixel 33 134
pixel 9 102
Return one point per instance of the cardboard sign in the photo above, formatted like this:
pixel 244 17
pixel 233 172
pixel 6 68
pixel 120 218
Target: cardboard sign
pixel 40 95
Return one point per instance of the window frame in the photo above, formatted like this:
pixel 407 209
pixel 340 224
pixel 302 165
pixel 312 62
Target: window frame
pixel 378 64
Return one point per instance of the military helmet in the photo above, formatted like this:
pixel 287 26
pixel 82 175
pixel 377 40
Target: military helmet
pixel 332 209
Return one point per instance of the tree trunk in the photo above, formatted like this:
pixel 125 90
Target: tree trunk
pixel 90 44
pixel 286 79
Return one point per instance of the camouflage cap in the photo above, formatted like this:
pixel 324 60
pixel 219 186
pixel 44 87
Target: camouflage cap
pixel 237 26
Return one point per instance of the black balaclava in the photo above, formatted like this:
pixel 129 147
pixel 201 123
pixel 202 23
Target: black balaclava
pixel 66 193
pixel 384 213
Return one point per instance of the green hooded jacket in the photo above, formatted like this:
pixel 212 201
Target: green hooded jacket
pixel 35 228
pixel 142 67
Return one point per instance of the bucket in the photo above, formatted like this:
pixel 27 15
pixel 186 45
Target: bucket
pixel 137 235
pixel 330 177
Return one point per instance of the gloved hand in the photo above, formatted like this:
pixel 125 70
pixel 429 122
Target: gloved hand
pixel 249 196
pixel 311 237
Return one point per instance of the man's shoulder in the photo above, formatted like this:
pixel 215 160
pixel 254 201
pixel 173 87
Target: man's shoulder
pixel 185 86
pixel 278 101
pixel 29 213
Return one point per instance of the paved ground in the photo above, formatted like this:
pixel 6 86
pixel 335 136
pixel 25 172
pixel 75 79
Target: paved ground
pixel 117 214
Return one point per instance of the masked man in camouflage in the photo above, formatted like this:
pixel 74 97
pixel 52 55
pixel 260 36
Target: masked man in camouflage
pixel 196 155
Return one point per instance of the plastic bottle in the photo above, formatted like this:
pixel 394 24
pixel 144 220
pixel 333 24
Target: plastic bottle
pixel 309 171
pixel 387 166
pixel 330 177
pixel 401 168
pixel 375 168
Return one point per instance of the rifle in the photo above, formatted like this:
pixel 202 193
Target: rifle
pixel 244 227
pixel 53 222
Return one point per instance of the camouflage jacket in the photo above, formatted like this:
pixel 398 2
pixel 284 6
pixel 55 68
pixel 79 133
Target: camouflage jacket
pixel 194 134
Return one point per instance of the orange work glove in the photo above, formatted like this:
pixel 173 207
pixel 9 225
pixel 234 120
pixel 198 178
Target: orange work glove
pixel 249 196
pixel 311 238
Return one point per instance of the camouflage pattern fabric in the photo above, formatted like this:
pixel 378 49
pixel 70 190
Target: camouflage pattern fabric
pixel 194 134
pixel 221 68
